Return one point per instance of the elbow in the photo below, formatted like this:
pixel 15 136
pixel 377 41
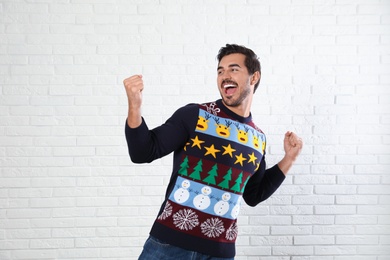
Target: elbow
pixel 141 157
pixel 253 198
pixel 252 202
pixel 138 159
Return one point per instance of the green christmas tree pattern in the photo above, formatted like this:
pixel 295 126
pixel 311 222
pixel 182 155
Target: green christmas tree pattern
pixel 228 177
pixel 195 175
pixel 210 179
pixel 237 186
pixel 184 166
pixel 212 175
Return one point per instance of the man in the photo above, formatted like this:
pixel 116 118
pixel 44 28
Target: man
pixel 218 160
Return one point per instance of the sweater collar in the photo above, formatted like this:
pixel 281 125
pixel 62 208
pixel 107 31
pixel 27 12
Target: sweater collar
pixel 227 111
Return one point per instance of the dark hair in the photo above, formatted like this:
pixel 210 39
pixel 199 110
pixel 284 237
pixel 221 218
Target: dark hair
pixel 251 60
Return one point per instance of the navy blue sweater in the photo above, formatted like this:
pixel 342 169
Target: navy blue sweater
pixel 218 161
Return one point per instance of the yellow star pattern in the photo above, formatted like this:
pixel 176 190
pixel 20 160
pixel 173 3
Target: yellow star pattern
pixel 211 150
pixel 228 150
pixel 252 158
pixel 240 159
pixel 258 166
pixel 197 142
pixel 185 147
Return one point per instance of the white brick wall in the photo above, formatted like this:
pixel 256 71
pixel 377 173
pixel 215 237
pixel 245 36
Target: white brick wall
pixel 67 187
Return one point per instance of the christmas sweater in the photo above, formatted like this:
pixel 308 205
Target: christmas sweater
pixel 218 161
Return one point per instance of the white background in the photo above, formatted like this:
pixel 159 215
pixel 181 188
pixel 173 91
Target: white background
pixel 67 187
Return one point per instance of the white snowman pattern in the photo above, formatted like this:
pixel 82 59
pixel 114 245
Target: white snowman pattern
pixel 182 194
pixel 236 209
pixel 202 201
pixel 222 207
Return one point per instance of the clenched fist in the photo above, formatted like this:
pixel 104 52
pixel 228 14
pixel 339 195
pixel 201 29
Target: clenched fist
pixel 292 147
pixel 134 86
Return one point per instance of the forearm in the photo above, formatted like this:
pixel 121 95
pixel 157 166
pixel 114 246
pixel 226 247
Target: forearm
pixel 140 143
pixel 134 118
pixel 263 184
pixel 285 164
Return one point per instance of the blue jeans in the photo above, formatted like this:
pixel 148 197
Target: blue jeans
pixel 155 249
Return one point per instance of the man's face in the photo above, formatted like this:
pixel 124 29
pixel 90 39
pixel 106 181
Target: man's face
pixel 234 81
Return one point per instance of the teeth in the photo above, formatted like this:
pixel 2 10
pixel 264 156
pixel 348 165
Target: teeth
pixel 229 86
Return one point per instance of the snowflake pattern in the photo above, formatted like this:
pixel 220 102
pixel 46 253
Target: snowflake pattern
pixel 212 109
pixel 212 227
pixel 166 212
pixel 185 219
pixel 232 232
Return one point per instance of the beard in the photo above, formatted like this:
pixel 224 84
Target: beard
pixel 233 101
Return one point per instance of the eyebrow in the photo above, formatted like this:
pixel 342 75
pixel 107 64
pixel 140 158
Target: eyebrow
pixel 230 66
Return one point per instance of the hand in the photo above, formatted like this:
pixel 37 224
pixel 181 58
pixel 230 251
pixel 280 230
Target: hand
pixel 134 86
pixel 292 145
pixel 292 148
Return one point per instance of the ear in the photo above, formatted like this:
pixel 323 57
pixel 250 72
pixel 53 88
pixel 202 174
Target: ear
pixel 255 77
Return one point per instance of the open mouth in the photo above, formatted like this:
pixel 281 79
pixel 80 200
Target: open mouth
pixel 229 88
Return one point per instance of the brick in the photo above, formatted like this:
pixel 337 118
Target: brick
pixel 15 182
pixel 291 230
pixel 331 250
pixel 356 219
pixel 306 220
pixel 378 209
pixel 52 243
pixel 332 190
pixel 293 250
pixel 53 182
pixel 357 240
pixel 73 232
pixel 314 179
pixel 28 213
pixel 374 189
pixel 96 222
pixel 28 254
pixel 54 162
pixel 356 199
pixel 275 220
pixel 370 250
pixel 313 199
pixel 335 209
pixel 73 253
pixel 24 8
pixel 28 233
pixel 372 230
pixel 314 240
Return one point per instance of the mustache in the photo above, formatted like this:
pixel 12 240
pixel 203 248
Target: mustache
pixel 228 81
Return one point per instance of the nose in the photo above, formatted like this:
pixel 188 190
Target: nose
pixel 226 75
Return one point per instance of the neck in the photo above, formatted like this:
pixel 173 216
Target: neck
pixel 243 110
